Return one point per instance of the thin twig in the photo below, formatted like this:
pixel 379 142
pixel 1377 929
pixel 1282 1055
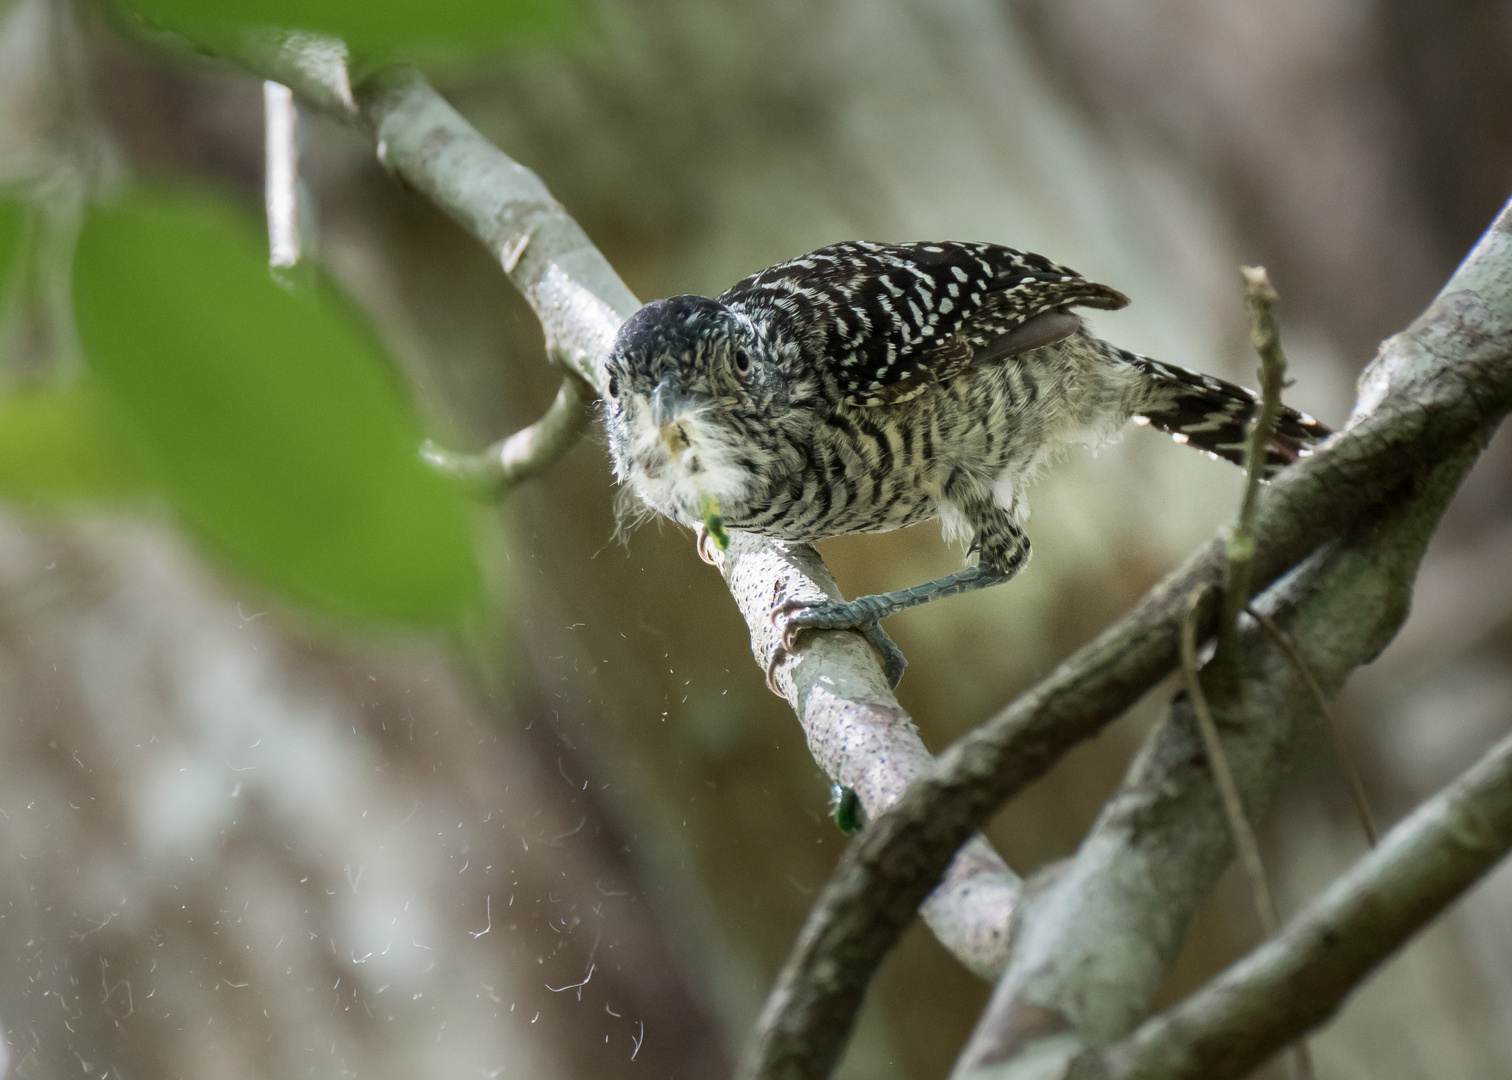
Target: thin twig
pixel 281 175
pixel 1265 336
pixel 1330 723
pixel 498 470
pixel 1296 980
pixel 1245 844
pixel 1239 828
pixel 1240 544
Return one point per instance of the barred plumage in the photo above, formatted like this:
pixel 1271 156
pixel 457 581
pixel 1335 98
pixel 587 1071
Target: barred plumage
pixel 864 387
pixel 1209 414
pixel 887 319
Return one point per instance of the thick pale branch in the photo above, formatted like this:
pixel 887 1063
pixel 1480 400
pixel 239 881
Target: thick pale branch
pixel 862 738
pixel 859 733
pixel 1437 387
pixel 1296 981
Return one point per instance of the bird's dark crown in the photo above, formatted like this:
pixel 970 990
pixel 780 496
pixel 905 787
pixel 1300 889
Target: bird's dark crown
pixel 672 334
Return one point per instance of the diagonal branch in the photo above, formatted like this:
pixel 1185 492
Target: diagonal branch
pixel 1434 389
pixel 860 735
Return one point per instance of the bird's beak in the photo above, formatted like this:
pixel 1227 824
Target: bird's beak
pixel 667 404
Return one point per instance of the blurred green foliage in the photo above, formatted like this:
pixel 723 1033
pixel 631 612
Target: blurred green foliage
pixel 64 445
pixel 269 417
pixel 445 29
pixel 10 235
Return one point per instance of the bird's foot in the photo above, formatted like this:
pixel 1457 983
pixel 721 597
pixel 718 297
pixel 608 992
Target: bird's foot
pixel 793 617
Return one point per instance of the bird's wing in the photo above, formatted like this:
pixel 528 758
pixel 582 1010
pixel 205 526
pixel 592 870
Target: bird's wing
pixel 886 320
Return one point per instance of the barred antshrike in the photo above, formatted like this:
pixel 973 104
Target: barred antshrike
pixel 864 387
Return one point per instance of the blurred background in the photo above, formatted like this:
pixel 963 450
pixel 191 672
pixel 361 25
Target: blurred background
pixel 308 768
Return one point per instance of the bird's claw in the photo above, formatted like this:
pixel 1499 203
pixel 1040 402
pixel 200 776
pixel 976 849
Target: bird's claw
pixel 793 617
pixel 893 660
pixel 708 548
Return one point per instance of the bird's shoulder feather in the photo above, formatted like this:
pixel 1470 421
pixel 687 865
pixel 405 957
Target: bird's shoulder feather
pixel 886 320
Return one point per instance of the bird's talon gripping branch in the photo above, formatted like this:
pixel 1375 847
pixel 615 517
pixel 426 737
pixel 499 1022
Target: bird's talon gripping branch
pixel 774 661
pixel 794 617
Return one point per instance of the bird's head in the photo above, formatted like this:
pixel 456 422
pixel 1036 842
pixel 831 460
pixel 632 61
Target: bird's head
pixel 687 385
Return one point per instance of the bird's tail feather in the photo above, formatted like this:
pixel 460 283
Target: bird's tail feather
pixel 1212 415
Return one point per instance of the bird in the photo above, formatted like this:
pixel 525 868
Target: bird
pixel 865 387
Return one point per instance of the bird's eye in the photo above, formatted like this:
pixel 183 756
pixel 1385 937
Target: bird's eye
pixel 742 362
pixel 613 387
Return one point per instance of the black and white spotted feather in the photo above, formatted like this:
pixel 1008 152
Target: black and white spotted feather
pixel 1212 415
pixel 885 320
pixel 865 387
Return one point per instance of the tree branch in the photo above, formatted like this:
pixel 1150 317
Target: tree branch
pixel 1240 832
pixel 860 735
pixel 1240 544
pixel 1296 981
pixel 864 740
pixel 1093 945
pixel 1434 389
pixel 496 471
pixel 281 193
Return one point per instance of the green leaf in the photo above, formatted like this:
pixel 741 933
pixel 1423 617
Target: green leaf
pixel 271 418
pixel 380 26
pixel 63 446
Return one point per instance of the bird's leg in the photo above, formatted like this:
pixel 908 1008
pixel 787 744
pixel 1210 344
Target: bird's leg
pixel 1002 548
